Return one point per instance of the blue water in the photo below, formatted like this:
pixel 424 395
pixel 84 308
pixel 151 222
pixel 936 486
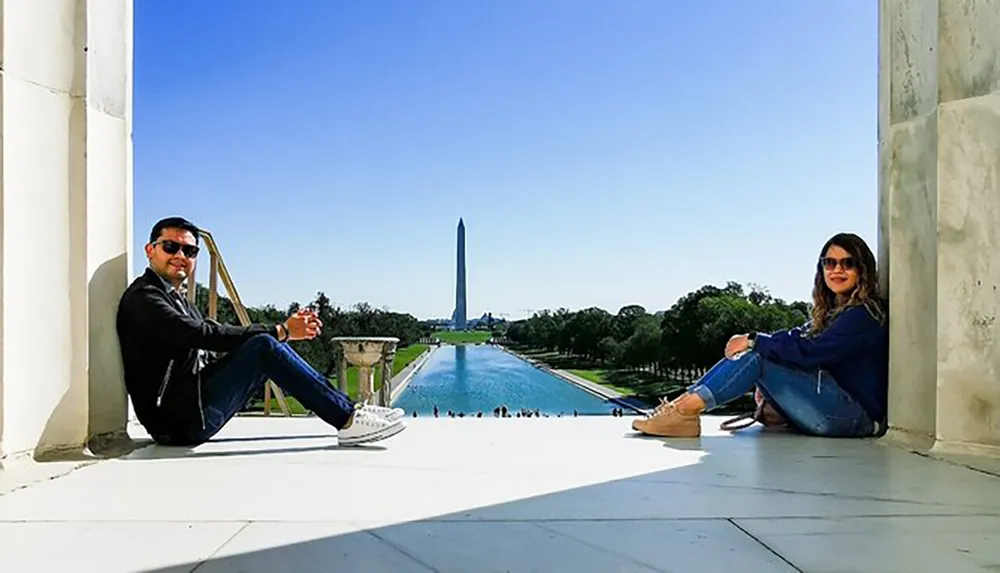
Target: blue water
pixel 474 379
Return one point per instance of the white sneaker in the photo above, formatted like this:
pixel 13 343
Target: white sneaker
pixel 367 428
pixel 391 414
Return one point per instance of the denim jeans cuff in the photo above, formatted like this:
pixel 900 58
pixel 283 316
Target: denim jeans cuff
pixel 705 394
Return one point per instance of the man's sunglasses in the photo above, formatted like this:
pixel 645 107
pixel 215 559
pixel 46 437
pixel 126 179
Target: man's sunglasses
pixel 830 263
pixel 171 248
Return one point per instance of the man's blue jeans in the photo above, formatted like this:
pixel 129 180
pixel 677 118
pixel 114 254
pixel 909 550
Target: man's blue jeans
pixel 228 384
pixel 812 402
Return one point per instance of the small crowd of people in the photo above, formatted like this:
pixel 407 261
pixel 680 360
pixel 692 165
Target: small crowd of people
pixel 503 411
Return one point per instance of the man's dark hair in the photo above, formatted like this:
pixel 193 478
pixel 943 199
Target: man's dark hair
pixel 174 223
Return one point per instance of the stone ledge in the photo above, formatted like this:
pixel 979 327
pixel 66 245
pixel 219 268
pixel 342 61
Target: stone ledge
pixel 402 380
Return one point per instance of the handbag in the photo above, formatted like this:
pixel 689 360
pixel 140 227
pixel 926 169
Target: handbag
pixel 765 413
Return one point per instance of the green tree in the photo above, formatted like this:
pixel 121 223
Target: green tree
pixel 623 324
pixel 690 336
pixel 643 347
pixel 586 330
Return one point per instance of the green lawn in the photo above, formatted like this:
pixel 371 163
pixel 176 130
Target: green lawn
pixel 463 336
pixel 404 356
pixel 642 385
pixel 600 377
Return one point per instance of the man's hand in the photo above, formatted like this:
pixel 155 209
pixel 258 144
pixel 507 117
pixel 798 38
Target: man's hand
pixel 303 325
pixel 737 344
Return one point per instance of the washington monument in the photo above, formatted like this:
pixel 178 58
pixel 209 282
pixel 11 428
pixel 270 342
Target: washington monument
pixel 458 317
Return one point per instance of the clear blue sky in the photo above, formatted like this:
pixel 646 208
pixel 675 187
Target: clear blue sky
pixel 601 152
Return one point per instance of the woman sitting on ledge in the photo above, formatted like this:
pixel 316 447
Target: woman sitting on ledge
pixel 826 378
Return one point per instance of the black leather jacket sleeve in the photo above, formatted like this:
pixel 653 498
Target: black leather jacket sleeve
pixel 158 318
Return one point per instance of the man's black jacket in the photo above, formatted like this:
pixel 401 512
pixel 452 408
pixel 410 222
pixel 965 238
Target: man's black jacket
pixel 159 343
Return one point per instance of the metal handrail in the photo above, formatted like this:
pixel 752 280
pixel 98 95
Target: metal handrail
pixel 217 269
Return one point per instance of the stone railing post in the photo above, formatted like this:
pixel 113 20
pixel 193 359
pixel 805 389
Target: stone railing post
pixel 342 374
pixel 388 356
pixel 366 352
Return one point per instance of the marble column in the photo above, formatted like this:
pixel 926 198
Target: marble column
pixel 939 211
pixel 65 204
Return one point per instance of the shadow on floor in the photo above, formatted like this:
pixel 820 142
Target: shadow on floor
pixel 748 503
pixel 149 450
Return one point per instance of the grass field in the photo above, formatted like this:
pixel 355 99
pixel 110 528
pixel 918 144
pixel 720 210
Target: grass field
pixel 601 377
pixel 642 385
pixel 404 356
pixel 463 336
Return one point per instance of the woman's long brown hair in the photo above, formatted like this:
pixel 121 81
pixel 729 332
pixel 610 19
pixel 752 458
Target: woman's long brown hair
pixel 825 304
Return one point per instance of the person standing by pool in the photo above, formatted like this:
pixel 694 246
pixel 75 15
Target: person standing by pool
pixel 828 377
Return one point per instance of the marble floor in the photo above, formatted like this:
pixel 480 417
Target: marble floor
pixel 479 495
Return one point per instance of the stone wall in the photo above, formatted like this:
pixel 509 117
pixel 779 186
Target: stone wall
pixel 939 202
pixel 66 209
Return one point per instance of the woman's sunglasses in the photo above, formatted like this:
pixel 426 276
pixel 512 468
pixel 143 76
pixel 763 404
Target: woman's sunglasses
pixel 830 263
pixel 172 247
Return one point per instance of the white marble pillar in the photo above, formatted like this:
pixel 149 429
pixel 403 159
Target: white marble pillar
pixel 65 203
pixel 109 207
pixel 939 199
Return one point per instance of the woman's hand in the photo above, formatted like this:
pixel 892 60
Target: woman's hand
pixel 737 344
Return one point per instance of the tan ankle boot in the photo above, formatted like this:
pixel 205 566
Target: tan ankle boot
pixel 668 422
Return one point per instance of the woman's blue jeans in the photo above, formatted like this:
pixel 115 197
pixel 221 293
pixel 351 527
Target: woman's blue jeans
pixel 811 401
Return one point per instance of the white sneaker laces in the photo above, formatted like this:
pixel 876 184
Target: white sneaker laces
pixel 367 420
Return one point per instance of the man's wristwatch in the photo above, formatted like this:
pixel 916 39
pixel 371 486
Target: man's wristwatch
pixel 751 338
pixel 283 329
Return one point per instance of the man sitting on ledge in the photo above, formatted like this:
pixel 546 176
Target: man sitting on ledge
pixel 181 393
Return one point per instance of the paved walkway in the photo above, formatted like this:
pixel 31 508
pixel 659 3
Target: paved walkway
pixel 603 391
pixel 534 494
pixel 402 378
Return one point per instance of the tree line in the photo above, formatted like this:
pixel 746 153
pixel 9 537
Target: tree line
pixel 687 338
pixel 690 336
